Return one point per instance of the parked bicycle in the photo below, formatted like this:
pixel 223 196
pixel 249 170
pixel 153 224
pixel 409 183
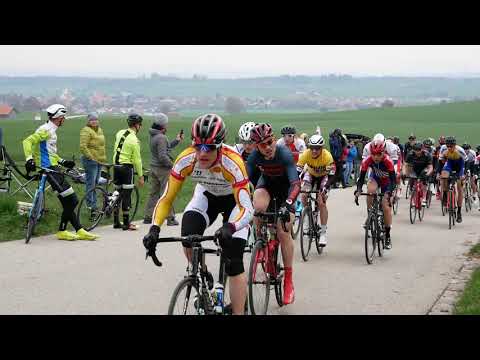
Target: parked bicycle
pixel 101 202
pixel 374 227
pixel 196 294
pixel 38 203
pixel 265 270
pixel 309 227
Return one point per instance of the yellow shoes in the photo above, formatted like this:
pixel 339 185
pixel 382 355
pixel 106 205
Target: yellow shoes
pixel 66 235
pixel 83 234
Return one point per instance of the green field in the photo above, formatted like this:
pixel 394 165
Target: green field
pixel 458 119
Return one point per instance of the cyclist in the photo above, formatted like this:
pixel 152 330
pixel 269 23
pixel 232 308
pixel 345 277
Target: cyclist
pixel 126 160
pixel 412 139
pixel 290 140
pixel 396 141
pixel 392 150
pixel 40 149
pixel 470 167
pixel 382 174
pixel 319 176
pixel 271 168
pixel 222 187
pixel 246 145
pixel 419 163
pixel 436 163
pixel 454 157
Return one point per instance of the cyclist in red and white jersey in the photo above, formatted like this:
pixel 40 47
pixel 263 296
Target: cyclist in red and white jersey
pixel 295 144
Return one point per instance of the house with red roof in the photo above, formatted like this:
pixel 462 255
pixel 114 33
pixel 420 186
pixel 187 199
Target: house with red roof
pixel 7 112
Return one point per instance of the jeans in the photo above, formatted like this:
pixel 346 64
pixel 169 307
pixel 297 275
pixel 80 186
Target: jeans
pixel 158 180
pixel 348 171
pixel 92 177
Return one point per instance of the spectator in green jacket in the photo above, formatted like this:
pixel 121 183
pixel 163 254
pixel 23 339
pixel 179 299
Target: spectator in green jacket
pixel 92 147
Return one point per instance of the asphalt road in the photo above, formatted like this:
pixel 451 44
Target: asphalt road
pixel 111 276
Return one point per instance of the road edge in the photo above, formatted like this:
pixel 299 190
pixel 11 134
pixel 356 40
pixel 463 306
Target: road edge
pixel 445 303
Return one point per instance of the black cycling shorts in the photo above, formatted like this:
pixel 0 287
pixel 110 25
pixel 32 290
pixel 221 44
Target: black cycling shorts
pixel 278 192
pixel 59 183
pixel 123 176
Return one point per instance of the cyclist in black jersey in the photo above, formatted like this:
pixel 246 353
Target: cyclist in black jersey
pixel 273 172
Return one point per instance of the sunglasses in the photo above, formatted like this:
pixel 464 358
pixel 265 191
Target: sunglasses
pixel 206 147
pixel 289 135
pixel 318 148
pixel 450 146
pixel 266 144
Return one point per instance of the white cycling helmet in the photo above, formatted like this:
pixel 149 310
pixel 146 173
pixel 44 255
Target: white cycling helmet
pixel 245 131
pixel 55 111
pixel 316 140
pixel 379 138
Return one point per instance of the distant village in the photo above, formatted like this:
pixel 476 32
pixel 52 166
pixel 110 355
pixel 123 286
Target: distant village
pixel 125 102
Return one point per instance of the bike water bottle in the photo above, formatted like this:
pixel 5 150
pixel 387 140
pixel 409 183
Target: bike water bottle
pixel 114 197
pixel 218 289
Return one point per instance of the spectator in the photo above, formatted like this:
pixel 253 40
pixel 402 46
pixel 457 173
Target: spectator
pixel 337 144
pixel 351 156
pixel 160 166
pixel 92 147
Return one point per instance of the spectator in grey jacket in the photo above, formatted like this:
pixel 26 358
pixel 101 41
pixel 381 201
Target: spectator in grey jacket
pixel 160 166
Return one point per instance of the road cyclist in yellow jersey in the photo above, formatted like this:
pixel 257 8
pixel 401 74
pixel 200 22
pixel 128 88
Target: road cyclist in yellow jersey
pixel 222 188
pixel 318 176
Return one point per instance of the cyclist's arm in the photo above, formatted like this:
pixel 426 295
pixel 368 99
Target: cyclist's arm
pixel 331 168
pixel 252 169
pixel 137 158
pixel 363 172
pixel 301 162
pixel 181 169
pixel 289 163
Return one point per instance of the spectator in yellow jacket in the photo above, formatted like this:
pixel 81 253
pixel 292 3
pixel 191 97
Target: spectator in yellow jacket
pixel 92 147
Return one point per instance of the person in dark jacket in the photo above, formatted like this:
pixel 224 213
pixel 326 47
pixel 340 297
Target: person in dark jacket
pixel 337 145
pixel 160 166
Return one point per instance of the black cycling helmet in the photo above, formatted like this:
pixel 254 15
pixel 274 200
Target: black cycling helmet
pixel 412 137
pixel 427 142
pixel 466 146
pixel 417 146
pixel 450 141
pixel 396 140
pixel 288 130
pixel 134 119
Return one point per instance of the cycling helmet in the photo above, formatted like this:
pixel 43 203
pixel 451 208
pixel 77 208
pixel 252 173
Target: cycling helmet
pixel 55 111
pixel 261 132
pixel 417 146
pixel 412 137
pixel 441 140
pixel 427 142
pixel 316 140
pixel 396 140
pixel 377 147
pixel 208 129
pixel 134 119
pixel 478 148
pixel 450 141
pixel 288 130
pixel 160 121
pixel 379 138
pixel 245 131
pixel 466 146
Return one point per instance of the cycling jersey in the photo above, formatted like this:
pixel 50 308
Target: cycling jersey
pixel 419 163
pixel 392 150
pixel 277 173
pixel 297 147
pixel 127 150
pixel 457 154
pixel 226 176
pixel 383 173
pixel 320 166
pixel 42 146
pixel 471 155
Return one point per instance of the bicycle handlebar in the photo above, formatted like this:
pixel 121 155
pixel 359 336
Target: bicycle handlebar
pixel 190 239
pixel 369 194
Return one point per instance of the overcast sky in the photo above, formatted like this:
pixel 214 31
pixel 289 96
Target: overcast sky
pixel 239 60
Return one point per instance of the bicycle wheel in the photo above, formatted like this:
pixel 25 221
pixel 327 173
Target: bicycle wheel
pixel 278 284
pixel 429 198
pixel 186 299
pixel 370 239
pixel 395 203
pixel 134 203
pixel 317 241
pixel 380 230
pixel 296 226
pixel 468 198
pixel 306 233
pixel 421 212
pixel 407 191
pixel 258 281
pixel 90 218
pixel 413 207
pixel 34 216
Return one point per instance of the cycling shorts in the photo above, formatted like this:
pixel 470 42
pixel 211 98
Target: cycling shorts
pixel 278 192
pixel 384 183
pixel 312 183
pixel 123 176
pixel 455 165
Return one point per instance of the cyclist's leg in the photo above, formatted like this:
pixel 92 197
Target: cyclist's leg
pixel 67 198
pixel 234 266
pixel 322 202
pixel 261 200
pixel 306 186
pixel 372 186
pixel 461 175
pixel 447 169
